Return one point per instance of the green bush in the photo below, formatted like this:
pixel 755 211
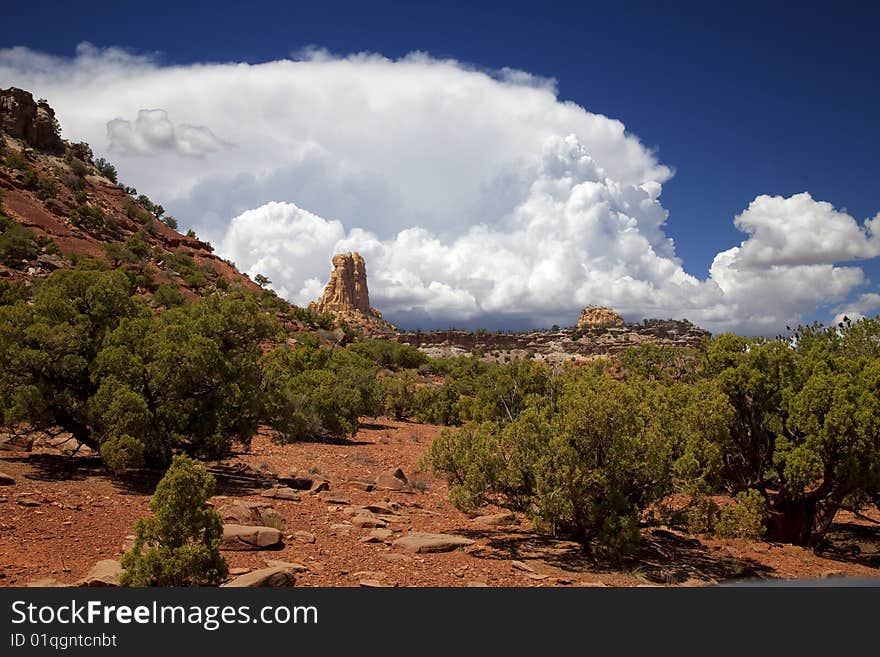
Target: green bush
pixel 180 544
pixel 169 296
pixel 123 452
pixel 397 394
pixel 17 243
pixel 390 355
pixel 746 518
pixel 106 169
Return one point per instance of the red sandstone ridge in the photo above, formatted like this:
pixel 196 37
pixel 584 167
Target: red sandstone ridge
pixel 347 296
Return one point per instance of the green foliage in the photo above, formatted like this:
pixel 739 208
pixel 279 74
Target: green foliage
pixel 182 262
pixel 397 393
pixel 180 544
pixel 262 280
pixel 79 168
pixel 315 394
pixel 388 354
pixel 15 160
pixel 747 518
pixel 106 169
pixel 90 217
pixel 17 243
pixel 191 233
pixel 44 188
pixel 122 452
pixel 581 452
pixel 437 405
pixel 170 221
pixel 138 245
pixel 169 296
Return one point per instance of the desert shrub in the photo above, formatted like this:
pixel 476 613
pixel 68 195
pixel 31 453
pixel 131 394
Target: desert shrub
pixel 747 518
pixel 122 452
pixel 169 296
pixel 17 243
pixel 588 461
pixel 118 254
pixel 80 196
pixel 315 393
pixel 191 233
pixel 397 394
pixel 44 188
pixel 90 217
pixel 182 262
pixel 15 160
pixel 180 544
pixel 437 405
pixel 390 355
pixel 106 169
pixel 12 292
pixel 79 168
pixel 138 245
pixel 170 221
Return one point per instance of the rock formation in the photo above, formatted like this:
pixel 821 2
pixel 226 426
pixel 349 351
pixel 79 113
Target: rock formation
pixel 347 289
pixel 593 316
pixel 21 117
pixel 347 296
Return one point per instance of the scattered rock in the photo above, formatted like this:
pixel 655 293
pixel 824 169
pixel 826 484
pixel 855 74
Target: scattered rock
pixel 106 572
pixel 419 542
pixel 44 583
pixel 381 534
pixel 281 493
pixel 6 480
pixel 494 520
pixel 256 514
pixel 319 487
pixel 292 565
pixel 27 501
pixel 375 584
pixel 248 537
pixel 277 576
pixel 368 521
pixel 299 483
pixel 333 498
pixel 15 442
pixel 520 565
pixel 304 537
pixel 365 486
pixel 476 585
pixel 128 542
pixel 341 528
pixel 392 479
pixel 389 508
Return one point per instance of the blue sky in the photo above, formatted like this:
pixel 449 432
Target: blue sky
pixel 739 101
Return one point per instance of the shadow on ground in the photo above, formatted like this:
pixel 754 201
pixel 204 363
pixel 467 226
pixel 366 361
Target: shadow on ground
pixel 663 557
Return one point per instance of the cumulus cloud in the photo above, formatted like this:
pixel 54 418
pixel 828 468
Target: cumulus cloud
pixel 865 305
pixel 476 196
pixel 152 131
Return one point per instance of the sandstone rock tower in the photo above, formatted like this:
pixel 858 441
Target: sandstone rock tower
pixel 347 289
pixel 599 316
pixel 347 296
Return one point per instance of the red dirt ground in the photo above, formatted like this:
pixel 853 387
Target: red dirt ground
pixel 83 515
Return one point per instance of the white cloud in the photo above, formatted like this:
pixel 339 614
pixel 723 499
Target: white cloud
pixel 865 305
pixel 152 132
pixel 472 194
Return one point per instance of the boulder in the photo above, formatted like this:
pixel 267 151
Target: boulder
pixel 419 542
pixel 292 565
pixel 393 479
pixel 334 498
pixel 368 521
pixel 319 487
pixel 33 122
pixel 249 537
pixel 106 572
pixel 304 537
pixel 299 483
pixel 494 520
pixel 16 442
pixel 276 576
pixel 281 493
pixel 255 514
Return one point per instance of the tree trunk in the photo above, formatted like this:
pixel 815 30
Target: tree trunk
pixel 803 520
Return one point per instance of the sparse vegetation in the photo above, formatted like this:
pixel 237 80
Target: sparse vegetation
pixel 180 544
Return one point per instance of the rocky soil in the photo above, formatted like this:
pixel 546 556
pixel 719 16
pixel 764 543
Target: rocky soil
pixel 340 512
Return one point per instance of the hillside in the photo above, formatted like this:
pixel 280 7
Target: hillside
pixel 71 206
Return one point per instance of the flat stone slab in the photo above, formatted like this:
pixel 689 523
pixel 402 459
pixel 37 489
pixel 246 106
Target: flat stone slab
pixel 494 520
pixel 281 493
pixel 421 543
pixel 106 572
pixel 6 480
pixel 333 498
pixel 248 537
pixel 274 576
pixel 293 565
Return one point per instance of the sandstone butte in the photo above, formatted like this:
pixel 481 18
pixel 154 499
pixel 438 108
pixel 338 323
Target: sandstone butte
pixel 599 316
